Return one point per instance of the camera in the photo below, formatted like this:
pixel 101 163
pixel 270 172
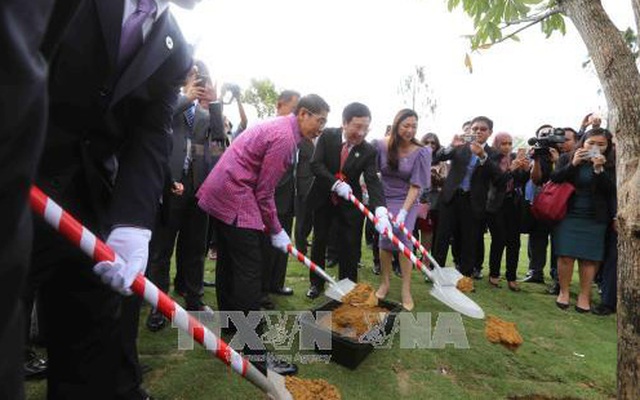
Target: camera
pixel 549 138
pixel 468 138
pixel 229 92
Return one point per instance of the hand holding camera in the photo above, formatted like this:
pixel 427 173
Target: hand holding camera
pixel 478 150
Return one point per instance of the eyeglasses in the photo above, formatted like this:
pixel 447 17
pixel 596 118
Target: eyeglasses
pixel 322 120
pixel 427 142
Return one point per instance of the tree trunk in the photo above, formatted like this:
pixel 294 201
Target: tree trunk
pixel 620 82
pixel 635 4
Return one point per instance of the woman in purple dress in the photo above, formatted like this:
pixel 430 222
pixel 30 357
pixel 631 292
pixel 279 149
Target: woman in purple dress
pixel 405 166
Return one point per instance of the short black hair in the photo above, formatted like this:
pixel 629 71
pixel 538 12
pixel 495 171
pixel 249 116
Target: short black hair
pixel 484 119
pixel 287 95
pixel 313 103
pixel 355 110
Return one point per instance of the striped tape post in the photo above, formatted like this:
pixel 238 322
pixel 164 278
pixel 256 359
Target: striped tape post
pixel 80 236
pixel 396 242
pixel 315 268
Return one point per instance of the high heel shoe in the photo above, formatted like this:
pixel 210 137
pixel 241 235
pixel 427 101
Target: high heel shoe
pixel 408 306
pixel 562 306
pixel 582 310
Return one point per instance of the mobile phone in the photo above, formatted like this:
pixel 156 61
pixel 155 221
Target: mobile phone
pixel 468 138
pixel 521 152
pixel 594 151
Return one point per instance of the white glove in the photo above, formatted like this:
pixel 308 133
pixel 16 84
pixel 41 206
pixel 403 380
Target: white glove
pixel 342 189
pixel 383 220
pixel 400 217
pixel 131 246
pixel 281 241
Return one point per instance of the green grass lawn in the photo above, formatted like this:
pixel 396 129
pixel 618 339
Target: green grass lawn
pixel 564 355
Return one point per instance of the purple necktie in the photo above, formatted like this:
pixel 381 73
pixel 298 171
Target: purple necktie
pixel 131 38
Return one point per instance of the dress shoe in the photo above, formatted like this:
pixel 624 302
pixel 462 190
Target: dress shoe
pixel 477 274
pixel 209 283
pixel 495 283
pixel 35 368
pixel 199 306
pixel 156 321
pixel 603 310
pixel 513 286
pixel 331 263
pixel 314 292
pixel 280 366
pixel 533 278
pixel 376 268
pixel 283 291
pixel 562 306
pixel 581 310
pixel 554 289
pixel 266 303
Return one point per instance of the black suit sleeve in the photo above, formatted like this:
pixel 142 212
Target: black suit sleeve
pixel 565 171
pixel 145 154
pixel 319 161
pixel 371 179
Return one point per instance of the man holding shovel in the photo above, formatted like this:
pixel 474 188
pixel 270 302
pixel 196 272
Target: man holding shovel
pixel 239 195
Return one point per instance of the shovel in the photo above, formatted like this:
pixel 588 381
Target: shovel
pixel 445 276
pixel 272 384
pixel 336 290
pixel 442 288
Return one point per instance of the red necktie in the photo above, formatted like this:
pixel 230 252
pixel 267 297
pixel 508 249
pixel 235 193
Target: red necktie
pixel 344 153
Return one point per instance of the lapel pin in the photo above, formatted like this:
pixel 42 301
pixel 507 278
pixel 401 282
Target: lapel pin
pixel 357 154
pixel 169 42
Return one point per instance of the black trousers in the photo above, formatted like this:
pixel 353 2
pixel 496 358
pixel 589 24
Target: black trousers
pixel 82 315
pixel 458 216
pixel 186 230
pixel 276 261
pixel 538 248
pixel 610 270
pixel 349 222
pixel 505 234
pixel 304 223
pixel 23 116
pixel 239 273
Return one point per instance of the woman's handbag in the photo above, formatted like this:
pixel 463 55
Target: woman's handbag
pixel 551 203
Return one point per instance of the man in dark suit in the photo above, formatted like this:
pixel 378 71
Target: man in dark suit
pixel 340 158
pixel 22 127
pixel 196 122
pixel 276 261
pixel 304 180
pixel 115 70
pixel 464 195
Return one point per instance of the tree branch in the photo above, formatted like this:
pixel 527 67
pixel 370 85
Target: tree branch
pixel 534 18
pixel 532 21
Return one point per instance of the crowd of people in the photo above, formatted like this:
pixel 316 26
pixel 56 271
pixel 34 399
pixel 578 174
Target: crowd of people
pixel 129 134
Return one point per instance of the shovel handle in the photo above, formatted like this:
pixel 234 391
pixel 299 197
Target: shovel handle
pixel 313 267
pixel 80 236
pixel 403 249
pixel 415 242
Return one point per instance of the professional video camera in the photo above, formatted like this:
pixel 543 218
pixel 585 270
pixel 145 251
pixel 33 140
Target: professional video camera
pixel 546 139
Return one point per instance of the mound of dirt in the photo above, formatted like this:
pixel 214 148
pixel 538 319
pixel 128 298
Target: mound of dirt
pixel 351 321
pixel 503 332
pixel 311 389
pixel 465 284
pixel 362 295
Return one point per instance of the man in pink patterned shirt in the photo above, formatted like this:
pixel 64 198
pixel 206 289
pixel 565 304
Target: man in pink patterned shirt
pixel 239 195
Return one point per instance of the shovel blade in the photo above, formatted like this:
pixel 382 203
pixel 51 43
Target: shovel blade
pixel 278 388
pixel 454 298
pixel 448 276
pixel 340 289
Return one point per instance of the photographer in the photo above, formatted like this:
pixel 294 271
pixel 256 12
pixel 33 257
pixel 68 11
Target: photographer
pixel 231 92
pixel 545 154
pixel 463 198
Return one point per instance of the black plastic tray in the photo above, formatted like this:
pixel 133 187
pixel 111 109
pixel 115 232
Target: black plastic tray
pixel 347 351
